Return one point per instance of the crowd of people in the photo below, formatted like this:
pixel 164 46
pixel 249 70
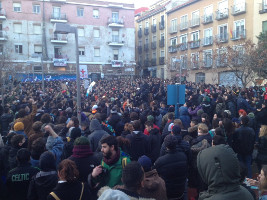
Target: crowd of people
pixel 129 144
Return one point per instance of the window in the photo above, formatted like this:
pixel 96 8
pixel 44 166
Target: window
pixel 221 57
pixel 239 5
pixel 173 41
pixel 146 41
pixel 239 29
pixel 140 42
pixel 208 36
pixel 96 33
pixel 264 26
pixel 17 28
pixel 223 33
pixel 81 51
pixel 81 32
pixel 115 36
pixel 37 29
pixel 195 18
pixel 200 77
pixel 174 26
pixel 17 7
pixel 36 9
pixel 207 57
pixel 56 12
pixel 154 39
pixel 57 51
pixel 195 36
pixel 208 11
pixel 162 53
pixel 80 12
pixel 223 7
pixel 38 49
pixel 115 54
pixel 95 14
pixel 154 22
pixel 115 17
pixel 184 22
pixel 1 49
pixel 183 38
pixel 18 48
pixel 97 52
pixel 140 26
pixel 154 55
pixel 183 61
pixel 194 60
pixel 147 24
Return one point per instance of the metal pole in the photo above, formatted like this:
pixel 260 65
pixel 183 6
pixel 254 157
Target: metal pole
pixel 78 78
pixel 180 74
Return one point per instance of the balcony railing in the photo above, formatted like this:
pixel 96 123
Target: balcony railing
pixel 184 63
pixel 206 19
pixel 146 63
pixel 194 44
pixel 3 36
pixel 222 38
pixel 173 49
pixel 153 62
pixel 115 21
pixel 173 29
pixel 263 8
pixel 146 31
pixel 195 64
pixel 221 62
pixel 153 28
pixel 183 46
pixel 146 47
pixel 153 45
pixel 161 25
pixel 239 9
pixel 161 60
pixel 59 38
pixel 207 41
pixel 222 14
pixel 194 22
pixel 2 13
pixel 140 33
pixel 238 34
pixel 162 42
pixel 59 16
pixel 183 26
pixel 140 49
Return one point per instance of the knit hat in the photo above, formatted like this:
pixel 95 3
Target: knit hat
pixel 69 110
pixel 170 142
pixel 236 120
pixel 111 194
pixel 176 130
pixel 75 133
pixel 200 112
pixel 50 143
pixel 19 126
pixel 145 162
pixel 251 115
pixel 150 118
pixel 47 161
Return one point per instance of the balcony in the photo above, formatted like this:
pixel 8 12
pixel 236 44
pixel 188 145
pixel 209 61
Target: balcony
pixel 153 28
pixel 239 9
pixel 146 31
pixel 183 26
pixel 146 47
pixel 162 42
pixel 161 60
pixel 238 34
pixel 194 22
pixel 206 19
pixel 3 36
pixel 161 25
pixel 140 33
pixel 173 29
pixel 223 38
pixel 115 41
pixel 183 46
pixel 2 14
pixel 172 49
pixel 115 22
pixel 220 62
pixel 207 41
pixel 222 14
pixel 195 64
pixel 194 44
pixel 153 45
pixel 184 63
pixel 59 38
pixel 153 62
pixel 263 8
pixel 58 61
pixel 147 63
pixel 58 18
pixel 140 49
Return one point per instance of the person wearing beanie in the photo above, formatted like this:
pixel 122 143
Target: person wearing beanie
pixel 154 186
pixel 45 180
pixel 84 158
pixel 165 118
pixel 19 129
pixel 173 169
pixel 18 179
pixel 150 118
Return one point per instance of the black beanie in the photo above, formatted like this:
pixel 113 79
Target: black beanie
pixel 75 133
pixel 47 161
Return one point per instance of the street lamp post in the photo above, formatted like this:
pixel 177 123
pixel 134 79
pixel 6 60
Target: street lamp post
pixel 65 29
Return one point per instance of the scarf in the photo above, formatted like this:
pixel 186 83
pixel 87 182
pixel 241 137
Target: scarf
pixel 113 159
pixel 81 151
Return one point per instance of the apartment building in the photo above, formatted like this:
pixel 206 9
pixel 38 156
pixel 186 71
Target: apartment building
pixel 105 36
pixel 195 26
pixel 150 39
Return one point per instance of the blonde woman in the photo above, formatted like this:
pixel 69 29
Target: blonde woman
pixel 262 147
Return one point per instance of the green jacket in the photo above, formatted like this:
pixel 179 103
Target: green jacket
pixel 114 172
